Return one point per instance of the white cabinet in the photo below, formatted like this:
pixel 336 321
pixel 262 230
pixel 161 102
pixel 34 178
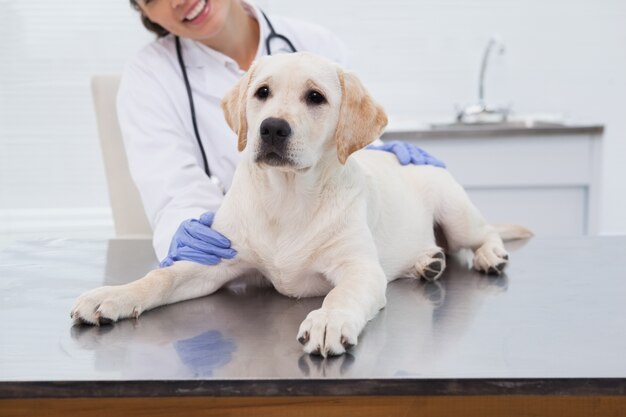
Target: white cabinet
pixel 546 182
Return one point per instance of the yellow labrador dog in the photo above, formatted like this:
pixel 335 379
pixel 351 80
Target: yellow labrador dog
pixel 314 213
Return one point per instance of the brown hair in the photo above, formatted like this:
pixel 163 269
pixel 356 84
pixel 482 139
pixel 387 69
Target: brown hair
pixel 149 24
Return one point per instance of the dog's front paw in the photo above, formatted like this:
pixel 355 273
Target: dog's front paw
pixel 490 259
pixel 105 305
pixel 329 332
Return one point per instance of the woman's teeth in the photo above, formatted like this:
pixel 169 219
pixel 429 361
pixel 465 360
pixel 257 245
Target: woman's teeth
pixel 196 10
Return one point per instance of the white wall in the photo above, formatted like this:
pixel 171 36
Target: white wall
pixel 419 58
pixel 51 174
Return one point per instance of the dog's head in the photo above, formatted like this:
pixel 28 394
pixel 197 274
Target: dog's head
pixel 291 109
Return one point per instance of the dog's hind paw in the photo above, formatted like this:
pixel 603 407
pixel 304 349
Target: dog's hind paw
pixel 490 259
pixel 431 264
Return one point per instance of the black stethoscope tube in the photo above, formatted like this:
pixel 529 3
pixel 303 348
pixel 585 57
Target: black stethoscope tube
pixel 181 62
pixel 179 52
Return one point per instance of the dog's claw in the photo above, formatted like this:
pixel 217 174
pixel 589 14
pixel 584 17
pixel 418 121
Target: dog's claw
pixel 433 271
pixel 346 344
pixel 496 270
pixel 105 320
pixel 100 319
pixel 304 338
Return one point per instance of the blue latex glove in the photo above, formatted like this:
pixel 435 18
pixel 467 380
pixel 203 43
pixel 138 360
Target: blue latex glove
pixel 408 154
pixel 206 352
pixel 195 241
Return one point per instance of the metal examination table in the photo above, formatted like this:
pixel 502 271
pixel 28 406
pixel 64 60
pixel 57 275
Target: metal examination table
pixel 549 338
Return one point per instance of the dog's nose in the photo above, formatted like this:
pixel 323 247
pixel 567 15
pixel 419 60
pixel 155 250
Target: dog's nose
pixel 275 131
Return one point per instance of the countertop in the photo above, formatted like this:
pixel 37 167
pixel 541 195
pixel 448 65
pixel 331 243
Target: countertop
pixel 409 129
pixel 555 324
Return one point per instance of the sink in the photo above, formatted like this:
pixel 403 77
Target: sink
pixel 501 125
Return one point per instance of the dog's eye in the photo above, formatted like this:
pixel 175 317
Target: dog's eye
pixel 262 93
pixel 315 97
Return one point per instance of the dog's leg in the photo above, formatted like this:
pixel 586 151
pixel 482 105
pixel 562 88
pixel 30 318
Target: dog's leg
pixel 182 281
pixel 465 227
pixel 358 295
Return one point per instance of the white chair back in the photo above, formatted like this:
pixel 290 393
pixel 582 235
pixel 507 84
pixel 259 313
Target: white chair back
pixel 129 215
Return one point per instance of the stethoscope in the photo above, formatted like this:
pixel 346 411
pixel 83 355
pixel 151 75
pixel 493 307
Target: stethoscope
pixel 273 35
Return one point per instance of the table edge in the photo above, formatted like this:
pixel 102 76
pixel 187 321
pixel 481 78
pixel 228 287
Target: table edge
pixel 314 387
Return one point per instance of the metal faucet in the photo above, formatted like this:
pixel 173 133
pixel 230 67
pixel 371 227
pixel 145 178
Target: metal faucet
pixel 481 107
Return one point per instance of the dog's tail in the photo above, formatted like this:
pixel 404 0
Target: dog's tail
pixel 512 232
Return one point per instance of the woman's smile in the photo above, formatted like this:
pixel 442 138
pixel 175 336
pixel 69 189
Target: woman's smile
pixel 198 13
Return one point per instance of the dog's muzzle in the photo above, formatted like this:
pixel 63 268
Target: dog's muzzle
pixel 275 134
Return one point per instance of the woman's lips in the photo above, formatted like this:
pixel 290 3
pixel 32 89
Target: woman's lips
pixel 201 17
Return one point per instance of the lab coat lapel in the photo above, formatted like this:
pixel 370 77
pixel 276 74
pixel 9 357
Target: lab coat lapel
pixel 220 72
pixel 212 71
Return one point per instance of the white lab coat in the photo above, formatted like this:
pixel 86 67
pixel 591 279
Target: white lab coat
pixel 155 119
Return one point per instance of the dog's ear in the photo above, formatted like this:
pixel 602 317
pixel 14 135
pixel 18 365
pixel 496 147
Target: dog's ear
pixel 234 108
pixel 361 119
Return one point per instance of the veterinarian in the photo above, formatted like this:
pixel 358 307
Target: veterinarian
pixel 181 153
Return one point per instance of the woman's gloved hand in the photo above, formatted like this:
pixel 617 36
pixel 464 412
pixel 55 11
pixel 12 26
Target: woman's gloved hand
pixel 408 153
pixel 195 241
